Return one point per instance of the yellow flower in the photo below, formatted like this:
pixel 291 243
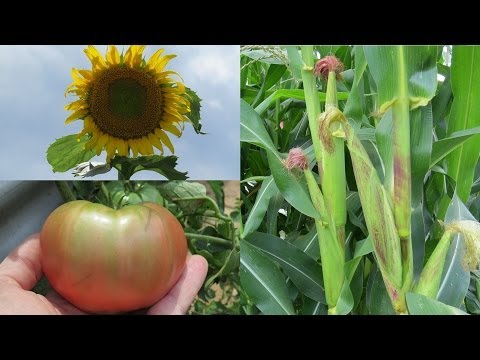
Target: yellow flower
pixel 127 102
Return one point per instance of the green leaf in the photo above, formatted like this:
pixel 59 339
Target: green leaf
pixel 292 94
pixel 456 276
pixel 265 55
pixel 164 165
pixel 445 146
pixel 346 301
pixel 296 62
pixel 182 189
pixel 421 128
pixel 354 108
pixel 274 74
pixel 257 213
pixel 66 153
pixel 263 282
pixel 217 188
pixel 378 302
pixel 231 264
pixel 304 272
pixel 312 307
pixel 194 114
pixel 391 65
pixel 292 186
pixel 464 114
pixel 308 243
pixel 275 204
pixel 421 305
pixel 252 129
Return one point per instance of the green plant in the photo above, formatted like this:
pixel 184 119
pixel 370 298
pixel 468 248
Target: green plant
pixel 355 225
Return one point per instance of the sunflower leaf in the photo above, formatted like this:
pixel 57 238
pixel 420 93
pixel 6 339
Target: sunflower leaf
pixel 194 115
pixel 67 152
pixel 164 165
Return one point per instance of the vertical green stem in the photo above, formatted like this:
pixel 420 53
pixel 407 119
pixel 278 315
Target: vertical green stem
pixel 429 281
pixel 331 253
pixel 311 100
pixel 277 123
pixel 402 170
pixel 65 190
pixel 333 166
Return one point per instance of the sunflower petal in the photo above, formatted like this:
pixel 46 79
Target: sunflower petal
pixel 113 56
pixel 95 57
pixel 152 61
pixel 147 146
pixel 102 141
pixel 122 146
pixel 134 55
pixel 111 148
pixel 76 105
pixel 164 139
pixel 170 128
pixel 155 142
pixel 132 143
pixel 76 115
pixel 163 62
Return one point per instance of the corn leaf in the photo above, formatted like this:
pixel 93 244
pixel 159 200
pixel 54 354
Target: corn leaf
pixel 465 114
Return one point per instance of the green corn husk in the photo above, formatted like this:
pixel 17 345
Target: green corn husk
pixel 379 219
pixel 333 161
pixel 430 278
pixel 331 252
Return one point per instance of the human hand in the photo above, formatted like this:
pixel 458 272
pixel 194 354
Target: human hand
pixel 21 270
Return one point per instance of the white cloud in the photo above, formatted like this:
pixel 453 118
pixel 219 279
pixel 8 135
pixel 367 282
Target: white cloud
pixel 215 104
pixel 215 66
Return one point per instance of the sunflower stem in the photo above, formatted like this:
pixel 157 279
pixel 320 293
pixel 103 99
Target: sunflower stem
pixel 65 190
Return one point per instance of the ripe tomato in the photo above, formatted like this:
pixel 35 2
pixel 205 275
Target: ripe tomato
pixel 104 260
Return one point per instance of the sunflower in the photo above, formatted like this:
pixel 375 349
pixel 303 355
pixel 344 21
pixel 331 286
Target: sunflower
pixel 127 103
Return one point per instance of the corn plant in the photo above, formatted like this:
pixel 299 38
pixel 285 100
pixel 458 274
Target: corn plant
pixel 360 179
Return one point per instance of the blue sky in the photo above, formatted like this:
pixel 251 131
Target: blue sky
pixel 33 81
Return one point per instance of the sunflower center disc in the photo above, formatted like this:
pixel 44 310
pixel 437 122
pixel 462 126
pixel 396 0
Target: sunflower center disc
pixel 126 103
pixel 126 98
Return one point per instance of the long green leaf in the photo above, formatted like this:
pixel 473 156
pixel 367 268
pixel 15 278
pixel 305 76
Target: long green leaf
pixel 422 305
pixel 252 129
pixel 304 272
pixel 291 94
pixel 455 277
pixel 263 282
pixel 421 127
pixel 391 65
pixel 465 114
pixel 309 244
pixel 257 213
pixel 354 108
pixel 445 146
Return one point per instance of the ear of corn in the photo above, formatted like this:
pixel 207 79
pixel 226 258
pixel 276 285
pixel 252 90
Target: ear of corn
pixel 379 219
pixel 431 276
